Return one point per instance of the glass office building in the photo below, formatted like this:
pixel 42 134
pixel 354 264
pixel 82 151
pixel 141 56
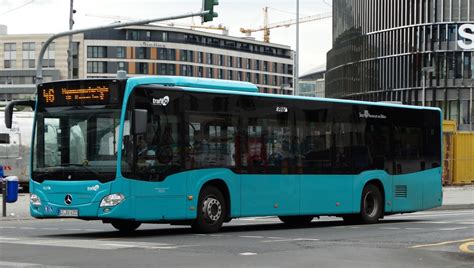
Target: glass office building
pixel 404 51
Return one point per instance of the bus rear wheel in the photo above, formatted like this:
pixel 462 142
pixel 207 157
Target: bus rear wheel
pixel 296 220
pixel 371 207
pixel 125 226
pixel 212 211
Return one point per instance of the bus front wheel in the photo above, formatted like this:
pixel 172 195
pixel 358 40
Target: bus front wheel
pixel 212 211
pixel 371 208
pixel 125 226
pixel 296 220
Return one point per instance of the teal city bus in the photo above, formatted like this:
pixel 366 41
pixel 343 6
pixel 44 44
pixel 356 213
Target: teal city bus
pixel 196 151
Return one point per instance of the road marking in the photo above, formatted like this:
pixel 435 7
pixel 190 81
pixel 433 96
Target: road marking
pixel 7 227
pixel 248 254
pixel 19 264
pixel 290 240
pixel 94 230
pixel 465 247
pixel 414 228
pixel 466 222
pixel 50 229
pixel 27 228
pixel 9 238
pixel 275 237
pixel 443 243
pixel 251 236
pixel 389 228
pixel 82 243
pixel 72 229
pixel 452 229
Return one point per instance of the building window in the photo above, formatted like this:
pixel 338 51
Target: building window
pixel 249 77
pixel 10 55
pixel 275 67
pixel 142 53
pixel 121 52
pixel 132 34
pixel 230 75
pixel 239 62
pixel 230 61
pixel 248 64
pixel 209 57
pixel 199 57
pixel 166 54
pixel 28 55
pixel 121 66
pixel 96 52
pixel 265 79
pixel 49 57
pixel 265 66
pixel 239 75
pixel 210 73
pixel 257 78
pixel 221 60
pixel 142 68
pixel 164 36
pixel 257 65
pixel 96 67
pixel 187 55
pixel 220 74
pixel 200 71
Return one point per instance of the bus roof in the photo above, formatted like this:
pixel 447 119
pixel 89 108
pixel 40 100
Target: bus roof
pixel 236 87
pixel 194 82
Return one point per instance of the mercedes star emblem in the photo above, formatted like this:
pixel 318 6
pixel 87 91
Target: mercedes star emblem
pixel 68 199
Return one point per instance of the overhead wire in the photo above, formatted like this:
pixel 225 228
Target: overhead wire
pixel 18 7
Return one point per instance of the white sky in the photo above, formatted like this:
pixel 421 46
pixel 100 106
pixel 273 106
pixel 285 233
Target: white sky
pixel 51 16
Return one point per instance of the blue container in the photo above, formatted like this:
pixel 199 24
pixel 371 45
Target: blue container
pixel 12 189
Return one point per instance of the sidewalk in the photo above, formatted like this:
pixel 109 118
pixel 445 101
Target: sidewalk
pixel 454 197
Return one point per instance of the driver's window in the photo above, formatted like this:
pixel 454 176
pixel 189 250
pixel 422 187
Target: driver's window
pixel 155 153
pixel 52 155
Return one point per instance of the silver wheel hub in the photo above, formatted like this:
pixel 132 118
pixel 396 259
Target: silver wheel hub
pixel 370 204
pixel 212 209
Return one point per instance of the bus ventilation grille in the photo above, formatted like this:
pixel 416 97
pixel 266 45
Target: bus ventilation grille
pixel 400 191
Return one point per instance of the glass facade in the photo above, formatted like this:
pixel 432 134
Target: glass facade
pixel 400 51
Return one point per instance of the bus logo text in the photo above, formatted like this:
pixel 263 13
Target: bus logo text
pixel 366 115
pixel 161 102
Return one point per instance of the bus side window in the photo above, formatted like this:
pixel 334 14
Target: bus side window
pixel 4 142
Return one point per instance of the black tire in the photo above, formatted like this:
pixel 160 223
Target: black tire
pixel 126 226
pixel 371 205
pixel 296 220
pixel 212 211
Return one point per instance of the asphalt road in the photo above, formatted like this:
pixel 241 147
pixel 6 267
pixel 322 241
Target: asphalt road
pixel 424 239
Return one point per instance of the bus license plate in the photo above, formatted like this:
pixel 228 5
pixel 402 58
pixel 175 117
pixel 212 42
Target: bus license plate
pixel 68 213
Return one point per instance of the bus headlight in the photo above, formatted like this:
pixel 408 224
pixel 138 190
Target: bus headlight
pixel 35 200
pixel 112 200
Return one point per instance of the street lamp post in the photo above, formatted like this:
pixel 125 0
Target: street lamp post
pixel 424 71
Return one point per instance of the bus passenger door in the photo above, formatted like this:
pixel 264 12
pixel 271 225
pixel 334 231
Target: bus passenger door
pixel 270 184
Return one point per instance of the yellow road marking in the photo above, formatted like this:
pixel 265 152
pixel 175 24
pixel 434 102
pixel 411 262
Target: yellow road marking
pixel 465 247
pixel 444 243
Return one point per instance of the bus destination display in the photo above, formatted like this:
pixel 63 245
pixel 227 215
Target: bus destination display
pixel 92 95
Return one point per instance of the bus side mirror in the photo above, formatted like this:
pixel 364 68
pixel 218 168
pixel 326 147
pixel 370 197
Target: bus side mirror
pixel 140 117
pixel 11 105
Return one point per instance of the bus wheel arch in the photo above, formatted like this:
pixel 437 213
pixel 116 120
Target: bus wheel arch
pixel 213 198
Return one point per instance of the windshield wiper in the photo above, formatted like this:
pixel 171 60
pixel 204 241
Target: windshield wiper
pixel 86 168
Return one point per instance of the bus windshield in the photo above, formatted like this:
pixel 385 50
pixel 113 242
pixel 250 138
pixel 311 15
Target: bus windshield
pixel 76 143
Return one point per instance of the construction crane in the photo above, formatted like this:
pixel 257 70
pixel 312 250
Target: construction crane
pixel 267 26
pixel 220 27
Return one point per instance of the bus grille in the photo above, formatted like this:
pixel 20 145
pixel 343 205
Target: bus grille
pixel 400 191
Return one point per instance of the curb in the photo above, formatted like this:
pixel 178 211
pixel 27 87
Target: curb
pixel 454 207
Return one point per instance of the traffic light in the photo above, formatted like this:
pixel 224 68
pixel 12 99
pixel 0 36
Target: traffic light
pixel 208 5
